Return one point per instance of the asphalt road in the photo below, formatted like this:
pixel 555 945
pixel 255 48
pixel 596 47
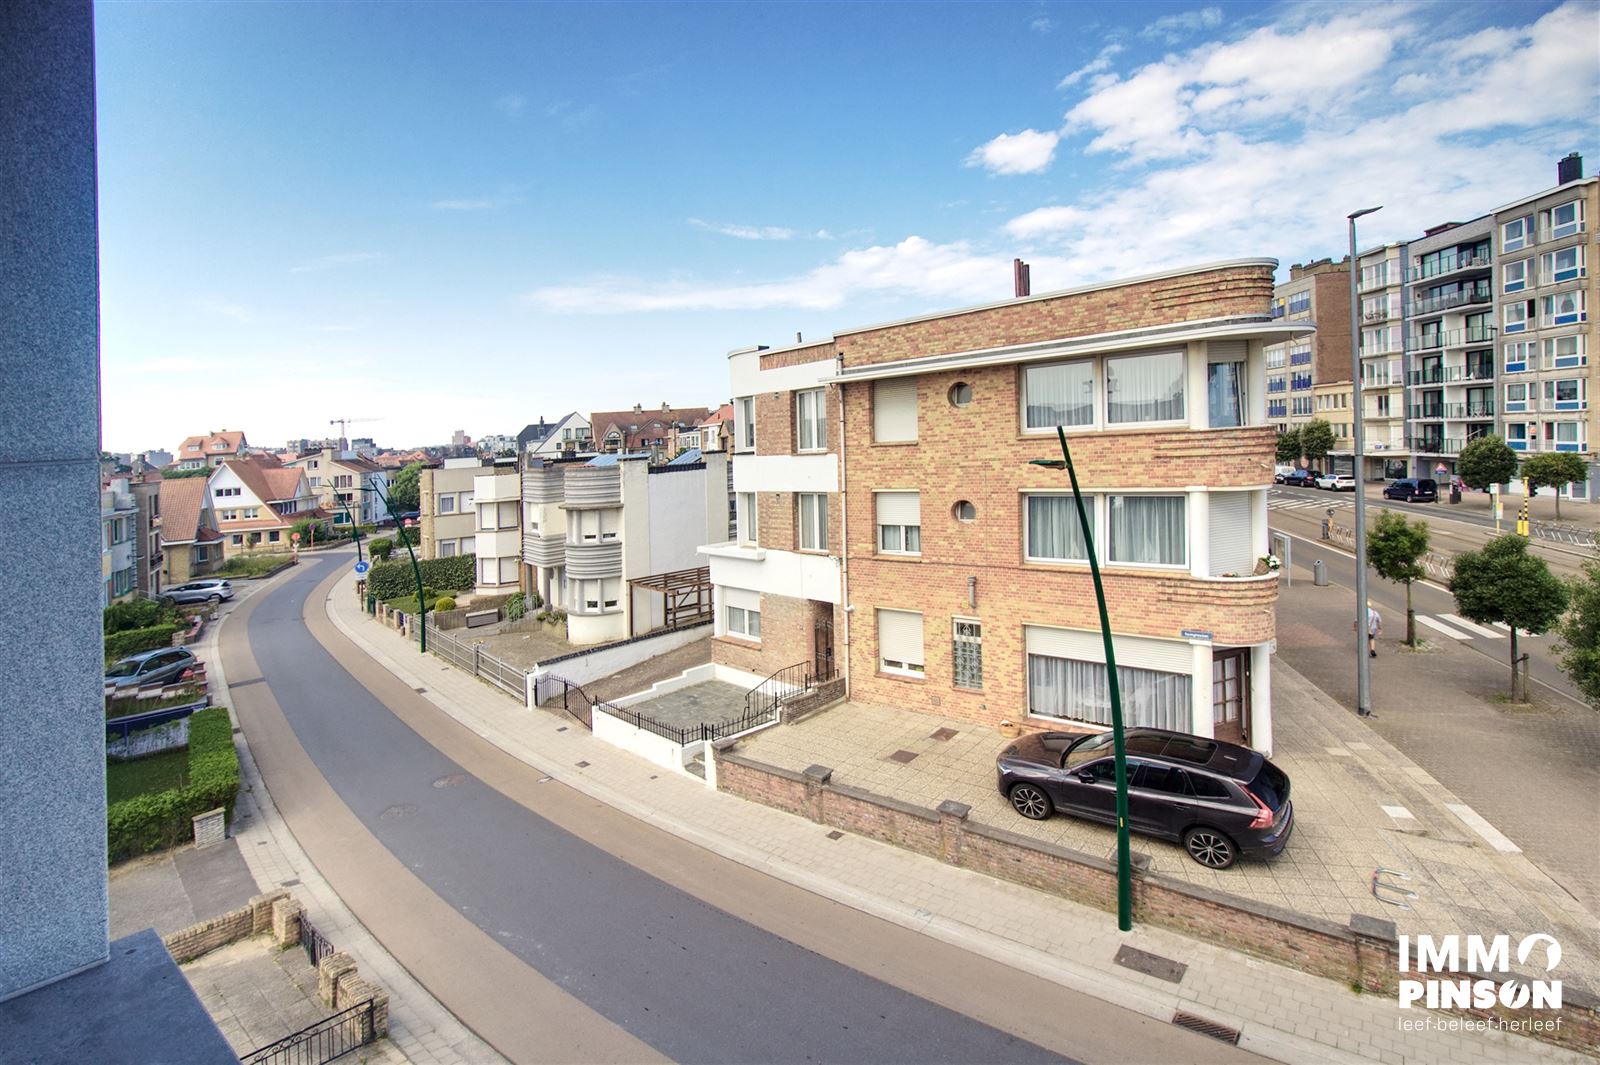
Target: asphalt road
pixel 683 953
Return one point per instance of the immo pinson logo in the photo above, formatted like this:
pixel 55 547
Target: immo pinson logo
pixel 1422 955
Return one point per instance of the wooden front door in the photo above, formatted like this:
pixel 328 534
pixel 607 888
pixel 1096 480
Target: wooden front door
pixel 1230 695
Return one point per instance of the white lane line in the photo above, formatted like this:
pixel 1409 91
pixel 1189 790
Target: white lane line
pixel 1475 821
pixel 1399 813
pixel 1471 626
pixel 1337 752
pixel 1447 630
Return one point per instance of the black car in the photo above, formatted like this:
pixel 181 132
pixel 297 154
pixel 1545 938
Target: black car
pixel 150 667
pixel 1218 799
pixel 1413 490
pixel 1302 478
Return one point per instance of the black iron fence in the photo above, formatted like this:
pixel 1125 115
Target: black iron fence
pixel 315 943
pixel 317 1044
pixel 687 734
pixel 788 683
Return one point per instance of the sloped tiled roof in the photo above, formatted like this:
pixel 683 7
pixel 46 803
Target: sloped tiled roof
pixel 266 482
pixel 722 414
pixel 640 425
pixel 233 439
pixel 182 503
pixel 284 483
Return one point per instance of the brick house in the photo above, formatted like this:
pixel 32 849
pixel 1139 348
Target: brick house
pixel 891 528
pixel 211 449
pixel 191 545
pixel 642 431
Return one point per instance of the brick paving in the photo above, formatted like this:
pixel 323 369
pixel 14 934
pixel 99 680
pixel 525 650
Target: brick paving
pixel 1281 1013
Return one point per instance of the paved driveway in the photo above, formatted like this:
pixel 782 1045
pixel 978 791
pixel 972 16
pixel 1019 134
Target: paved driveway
pixel 1359 804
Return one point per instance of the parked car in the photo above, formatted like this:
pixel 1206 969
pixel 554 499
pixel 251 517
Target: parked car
pixel 1218 799
pixel 1337 482
pixel 211 590
pixel 1413 490
pixel 1302 478
pixel 1280 471
pixel 161 666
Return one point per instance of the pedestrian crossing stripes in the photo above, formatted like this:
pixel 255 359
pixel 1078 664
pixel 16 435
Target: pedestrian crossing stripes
pixel 1459 628
pixel 1276 503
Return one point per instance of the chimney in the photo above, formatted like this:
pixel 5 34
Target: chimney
pixel 1020 278
pixel 665 407
pixel 797 339
pixel 637 409
pixel 1569 169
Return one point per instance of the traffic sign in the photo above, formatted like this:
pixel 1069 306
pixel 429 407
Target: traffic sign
pixel 362 567
pixel 295 537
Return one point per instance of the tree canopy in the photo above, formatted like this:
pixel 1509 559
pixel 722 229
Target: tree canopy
pixel 1289 446
pixel 1485 461
pixel 1395 548
pixel 1502 582
pixel 1553 469
pixel 1316 440
pixel 404 491
pixel 1579 645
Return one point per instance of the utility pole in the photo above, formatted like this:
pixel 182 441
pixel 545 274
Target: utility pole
pixel 1363 666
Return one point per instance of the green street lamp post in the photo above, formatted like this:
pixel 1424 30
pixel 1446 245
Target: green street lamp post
pixel 1124 857
pixel 416 570
pixel 355 527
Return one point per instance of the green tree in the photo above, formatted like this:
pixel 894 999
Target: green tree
pixel 1579 644
pixel 381 548
pixel 1289 446
pixel 1485 461
pixel 404 490
pixel 173 473
pixel 1395 548
pixel 1502 583
pixel 1316 440
pixel 1553 469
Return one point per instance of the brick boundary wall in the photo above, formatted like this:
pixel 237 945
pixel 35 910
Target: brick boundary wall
pixel 253 919
pixel 1362 955
pixel 818 699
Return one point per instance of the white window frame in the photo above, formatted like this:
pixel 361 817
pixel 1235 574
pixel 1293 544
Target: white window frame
pixel 1554 359
pixel 901 534
pixel 749 522
pixel 1548 312
pixel 811 421
pixel 447 548
pixel 744 408
pixel 1093 366
pixel 1111 545
pixel 1516 316
pixel 1566 229
pixel 814 530
pixel 1092 503
pixel 742 622
pixel 447 503
pixel 1514 275
pixel 902 666
pixel 1524 232
pixel 1550 270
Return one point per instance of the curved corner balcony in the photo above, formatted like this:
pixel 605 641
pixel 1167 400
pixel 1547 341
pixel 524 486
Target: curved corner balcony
pixel 592 561
pixel 593 486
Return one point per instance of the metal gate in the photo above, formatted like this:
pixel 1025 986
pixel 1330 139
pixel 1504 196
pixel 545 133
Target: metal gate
pixel 822 648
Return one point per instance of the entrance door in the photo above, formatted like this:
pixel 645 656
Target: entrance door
pixel 822 647
pixel 1230 695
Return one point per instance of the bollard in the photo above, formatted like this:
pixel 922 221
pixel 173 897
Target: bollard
pixel 1327 528
pixel 1319 574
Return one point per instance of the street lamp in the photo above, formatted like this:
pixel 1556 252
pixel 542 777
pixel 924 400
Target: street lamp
pixel 416 570
pixel 1363 669
pixel 1124 858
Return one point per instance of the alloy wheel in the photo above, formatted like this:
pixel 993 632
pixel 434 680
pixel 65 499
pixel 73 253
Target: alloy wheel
pixel 1209 848
pixel 1030 802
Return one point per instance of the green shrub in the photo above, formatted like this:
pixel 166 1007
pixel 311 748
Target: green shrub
pixel 133 614
pixel 444 603
pixel 516 606
pixel 535 600
pixel 132 641
pixel 380 549
pixel 391 580
pixel 163 819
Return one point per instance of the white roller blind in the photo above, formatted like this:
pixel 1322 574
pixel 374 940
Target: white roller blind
pixel 894 409
pixel 899 508
pixel 1225 350
pixel 1230 534
pixel 743 598
pixel 1172 656
pixel 900 636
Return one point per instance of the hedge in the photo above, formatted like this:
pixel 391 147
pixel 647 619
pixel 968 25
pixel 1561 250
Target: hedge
pixel 132 641
pixel 164 819
pixel 131 614
pixel 391 580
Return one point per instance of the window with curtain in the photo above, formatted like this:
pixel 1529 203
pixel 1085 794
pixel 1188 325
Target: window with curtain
pixel 811 420
pixel 1054 533
pixel 744 622
pixel 1058 393
pixel 899 522
pixel 1081 691
pixel 813 525
pixel 1148 530
pixel 1145 388
pixel 1225 394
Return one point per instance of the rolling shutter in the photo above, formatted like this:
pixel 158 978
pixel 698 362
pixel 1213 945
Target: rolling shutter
pixel 900 636
pixel 742 598
pixel 1230 534
pixel 1226 350
pixel 899 508
pixel 894 409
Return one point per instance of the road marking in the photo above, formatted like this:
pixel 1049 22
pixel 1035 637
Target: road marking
pixel 1483 828
pixel 1470 626
pixel 1337 752
pixel 1357 745
pixel 1399 813
pixel 1447 630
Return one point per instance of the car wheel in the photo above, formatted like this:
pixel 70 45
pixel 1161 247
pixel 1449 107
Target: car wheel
pixel 214 600
pixel 1030 801
pixel 1209 847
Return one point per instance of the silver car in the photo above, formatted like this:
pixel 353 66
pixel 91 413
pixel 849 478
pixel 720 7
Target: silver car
pixel 210 590
pixel 164 665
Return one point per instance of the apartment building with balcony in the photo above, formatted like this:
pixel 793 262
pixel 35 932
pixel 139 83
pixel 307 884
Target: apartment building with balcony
pixel 1544 281
pixel 569 436
pixel 1319 293
pixel 447 522
pixel 891 524
pixel 497 527
pixel 119 534
pixel 1380 287
pixel 1331 400
pixel 346 484
pixel 1450 342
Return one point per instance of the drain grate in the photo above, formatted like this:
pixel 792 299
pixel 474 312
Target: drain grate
pixel 1211 1028
pixel 836 834
pixel 583 765
pixel 903 757
pixel 946 734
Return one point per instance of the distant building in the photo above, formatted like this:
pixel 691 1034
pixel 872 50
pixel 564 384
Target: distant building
pixel 1317 292
pixel 447 525
pixel 343 480
pixel 257 505
pixel 191 545
pixel 569 436
pixel 211 449
pixel 459 438
pixel 119 534
pixel 641 431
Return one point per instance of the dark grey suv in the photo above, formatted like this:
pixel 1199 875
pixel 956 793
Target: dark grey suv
pixel 1218 799
pixel 150 667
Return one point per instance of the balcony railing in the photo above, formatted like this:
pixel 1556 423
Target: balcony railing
pixel 1435 304
pixel 1427 412
pixel 1436 445
pixel 1447 264
pixel 1379 314
pixel 1444 375
pixel 1451 338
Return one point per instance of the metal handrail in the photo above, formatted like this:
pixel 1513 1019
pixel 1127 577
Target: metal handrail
pixel 322 1042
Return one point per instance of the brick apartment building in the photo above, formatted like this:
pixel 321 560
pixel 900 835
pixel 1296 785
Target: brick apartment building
pixel 1316 292
pixel 890 526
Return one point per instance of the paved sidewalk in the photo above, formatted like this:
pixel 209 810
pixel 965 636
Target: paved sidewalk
pixel 420 1029
pixel 1281 1013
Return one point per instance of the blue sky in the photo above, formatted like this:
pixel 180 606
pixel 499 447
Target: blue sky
pixel 465 216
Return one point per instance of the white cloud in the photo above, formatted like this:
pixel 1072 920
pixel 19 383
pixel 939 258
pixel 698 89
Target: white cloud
pixel 511 105
pixel 1173 28
pixel 1028 152
pixel 1042 25
pixel 1098 65
pixel 744 232
pixel 915 267
pixel 331 262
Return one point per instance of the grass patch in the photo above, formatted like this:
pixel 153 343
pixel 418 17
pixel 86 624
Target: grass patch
pixel 159 772
pixel 251 565
pixel 149 819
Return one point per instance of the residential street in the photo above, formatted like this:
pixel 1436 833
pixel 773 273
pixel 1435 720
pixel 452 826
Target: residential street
pixel 559 929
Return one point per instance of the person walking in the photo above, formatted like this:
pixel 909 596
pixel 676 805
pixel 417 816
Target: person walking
pixel 1374 629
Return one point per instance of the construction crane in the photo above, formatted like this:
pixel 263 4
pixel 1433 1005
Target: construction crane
pixel 342 422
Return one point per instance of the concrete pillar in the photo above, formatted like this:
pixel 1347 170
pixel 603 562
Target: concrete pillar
pixel 52 727
pixel 1200 690
pixel 1261 698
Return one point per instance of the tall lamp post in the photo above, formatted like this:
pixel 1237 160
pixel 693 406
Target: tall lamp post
pixel 416 570
pixel 1363 668
pixel 1124 857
